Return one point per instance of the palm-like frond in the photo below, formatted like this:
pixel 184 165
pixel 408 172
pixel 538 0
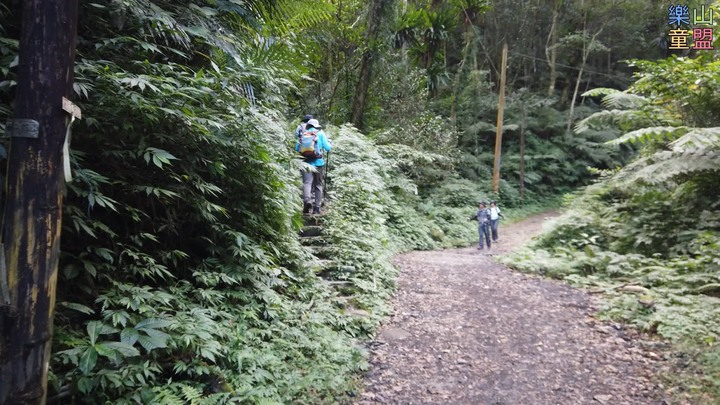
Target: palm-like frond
pixel 649 135
pixel 613 98
pixel 698 138
pixel 600 91
pixel 613 118
pixel 666 166
pixel 693 153
pixel 624 101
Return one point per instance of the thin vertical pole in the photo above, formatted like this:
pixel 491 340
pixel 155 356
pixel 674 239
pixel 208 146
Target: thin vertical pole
pixel 522 152
pixel 498 135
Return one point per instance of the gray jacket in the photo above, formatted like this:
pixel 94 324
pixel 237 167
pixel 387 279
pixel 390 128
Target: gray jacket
pixel 483 216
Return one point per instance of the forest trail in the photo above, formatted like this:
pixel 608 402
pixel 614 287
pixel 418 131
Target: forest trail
pixel 466 330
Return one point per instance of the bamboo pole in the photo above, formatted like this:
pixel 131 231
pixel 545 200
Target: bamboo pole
pixel 498 134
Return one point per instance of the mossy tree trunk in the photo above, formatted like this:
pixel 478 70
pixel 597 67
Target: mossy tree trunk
pixel 33 209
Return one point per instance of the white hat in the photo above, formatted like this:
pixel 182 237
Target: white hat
pixel 314 123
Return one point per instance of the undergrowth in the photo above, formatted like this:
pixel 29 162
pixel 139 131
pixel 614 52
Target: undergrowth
pixel 654 250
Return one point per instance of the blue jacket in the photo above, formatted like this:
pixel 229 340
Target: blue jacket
pixel 322 143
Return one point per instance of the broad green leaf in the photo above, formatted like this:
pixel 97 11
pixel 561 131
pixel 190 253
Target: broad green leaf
pixel 95 329
pixel 152 342
pixel 78 307
pixel 85 385
pixel 88 360
pixel 153 323
pixel 129 336
pixel 122 348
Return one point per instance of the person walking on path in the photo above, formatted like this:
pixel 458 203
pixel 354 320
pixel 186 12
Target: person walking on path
pixel 483 217
pixel 312 144
pixel 301 127
pixel 495 216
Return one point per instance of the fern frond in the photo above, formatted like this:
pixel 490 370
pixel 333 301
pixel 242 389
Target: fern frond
pixel 608 118
pixel 190 394
pixel 600 91
pixel 651 134
pixel 666 166
pixel 623 101
pixel 698 138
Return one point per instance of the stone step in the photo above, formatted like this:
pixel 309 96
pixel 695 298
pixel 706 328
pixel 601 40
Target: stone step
pixel 322 265
pixel 340 283
pixel 321 252
pixel 312 220
pixel 314 240
pixel 311 230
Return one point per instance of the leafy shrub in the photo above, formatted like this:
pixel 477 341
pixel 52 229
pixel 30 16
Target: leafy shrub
pixel 648 234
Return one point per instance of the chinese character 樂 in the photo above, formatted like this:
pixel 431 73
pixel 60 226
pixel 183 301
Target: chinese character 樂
pixel 679 15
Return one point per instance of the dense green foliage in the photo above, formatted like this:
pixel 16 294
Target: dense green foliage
pixel 649 234
pixel 182 276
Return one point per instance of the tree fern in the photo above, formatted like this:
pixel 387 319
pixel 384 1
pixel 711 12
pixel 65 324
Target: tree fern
pixel 666 166
pixel 646 136
pixel 698 138
pixel 694 153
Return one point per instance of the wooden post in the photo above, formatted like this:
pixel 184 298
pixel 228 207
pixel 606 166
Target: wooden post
pixel 498 134
pixel 33 208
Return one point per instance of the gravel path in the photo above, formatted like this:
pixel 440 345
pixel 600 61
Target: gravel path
pixel 467 330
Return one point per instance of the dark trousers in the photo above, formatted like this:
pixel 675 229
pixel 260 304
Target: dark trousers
pixel 494 226
pixel 484 232
pixel 313 186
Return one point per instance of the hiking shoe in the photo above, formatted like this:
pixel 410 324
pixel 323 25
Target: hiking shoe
pixel 316 211
pixel 307 207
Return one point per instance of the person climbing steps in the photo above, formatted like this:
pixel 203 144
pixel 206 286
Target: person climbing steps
pixel 313 144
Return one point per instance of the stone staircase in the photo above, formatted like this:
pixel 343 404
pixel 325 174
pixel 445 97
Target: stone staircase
pixel 334 275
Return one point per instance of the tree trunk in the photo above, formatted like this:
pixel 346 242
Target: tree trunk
pixel 458 74
pixel 361 90
pixel 522 151
pixel 574 97
pixel 32 217
pixel 499 126
pixel 586 52
pixel 551 49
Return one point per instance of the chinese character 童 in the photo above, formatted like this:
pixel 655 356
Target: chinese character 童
pixel 702 38
pixel 678 39
pixel 679 15
pixel 702 20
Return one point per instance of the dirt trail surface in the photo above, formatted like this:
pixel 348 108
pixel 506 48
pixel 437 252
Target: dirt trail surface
pixel 467 330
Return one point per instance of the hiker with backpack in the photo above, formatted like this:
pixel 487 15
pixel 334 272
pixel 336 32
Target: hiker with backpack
pixel 495 216
pixel 301 127
pixel 483 217
pixel 312 144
